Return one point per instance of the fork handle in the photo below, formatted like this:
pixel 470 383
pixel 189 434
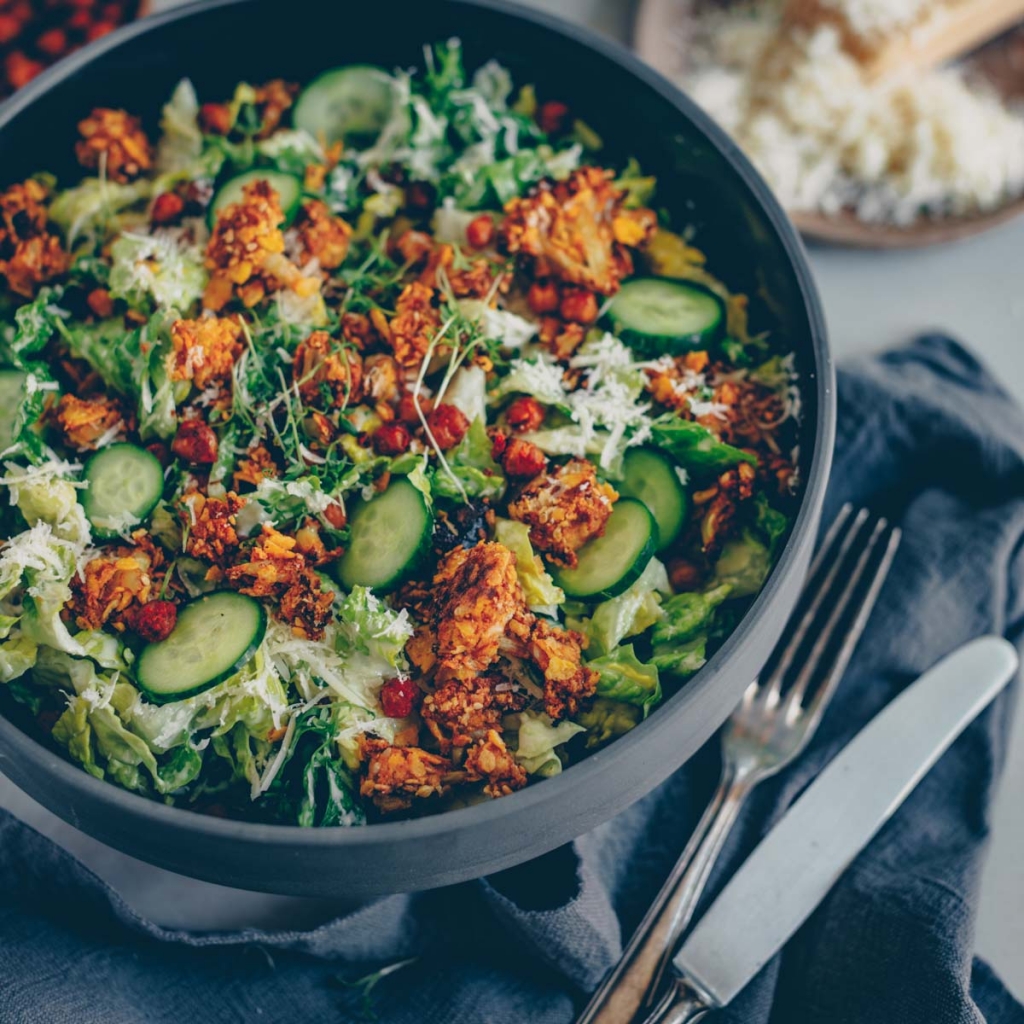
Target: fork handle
pixel 633 981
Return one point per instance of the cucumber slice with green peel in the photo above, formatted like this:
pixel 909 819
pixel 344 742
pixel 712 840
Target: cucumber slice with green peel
pixel 659 316
pixel 215 637
pixel 347 104
pixel 12 387
pixel 389 537
pixel 124 485
pixel 287 187
pixel 651 477
pixel 611 563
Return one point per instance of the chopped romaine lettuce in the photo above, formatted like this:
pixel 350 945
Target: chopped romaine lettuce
pixel 623 677
pixel 631 613
pixel 537 739
pixel 606 719
pixel 694 447
pixel 538 587
pixel 743 565
pixel 159 268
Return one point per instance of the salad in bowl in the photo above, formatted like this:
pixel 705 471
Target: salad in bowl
pixel 370 448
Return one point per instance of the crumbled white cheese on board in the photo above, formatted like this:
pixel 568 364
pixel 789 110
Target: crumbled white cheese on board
pixel 934 145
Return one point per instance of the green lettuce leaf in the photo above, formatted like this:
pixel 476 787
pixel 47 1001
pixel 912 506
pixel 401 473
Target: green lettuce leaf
pixel 606 719
pixel 88 211
pixel 631 613
pixel 680 639
pixel 35 323
pixel 156 270
pixel 769 523
pixel 134 365
pixel 181 139
pixel 743 565
pixel 694 447
pixel 314 787
pixel 538 587
pixel 623 677
pixel 537 739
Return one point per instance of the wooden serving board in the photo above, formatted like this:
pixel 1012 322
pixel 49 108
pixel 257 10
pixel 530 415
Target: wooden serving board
pixel 660 25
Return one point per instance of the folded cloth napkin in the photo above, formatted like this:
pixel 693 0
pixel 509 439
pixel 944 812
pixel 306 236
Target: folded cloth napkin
pixel 926 435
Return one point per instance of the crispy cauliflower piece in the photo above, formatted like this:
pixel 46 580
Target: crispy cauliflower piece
pixel 256 465
pixel 567 681
pixel 29 254
pixel 245 253
pixel 413 326
pixel 574 226
pixel 204 351
pixel 322 236
pixel 86 421
pixel 490 761
pixel 459 711
pixel 327 373
pixel 477 593
pixel 210 526
pixel 113 586
pixel 277 570
pixel 114 143
pixel 273 98
pixel 395 776
pixel 564 509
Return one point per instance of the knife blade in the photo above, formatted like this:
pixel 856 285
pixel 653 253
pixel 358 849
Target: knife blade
pixel 797 863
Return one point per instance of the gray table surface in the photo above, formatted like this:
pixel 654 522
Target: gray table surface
pixel 973 290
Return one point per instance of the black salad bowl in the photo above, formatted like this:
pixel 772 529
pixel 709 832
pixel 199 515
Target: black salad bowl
pixel 706 183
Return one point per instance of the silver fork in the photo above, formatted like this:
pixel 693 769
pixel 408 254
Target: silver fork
pixel 774 722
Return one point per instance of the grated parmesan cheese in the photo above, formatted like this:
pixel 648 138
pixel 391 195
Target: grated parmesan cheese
pixel 797 102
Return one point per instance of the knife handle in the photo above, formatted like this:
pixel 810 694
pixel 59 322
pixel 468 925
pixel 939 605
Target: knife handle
pixel 630 985
pixel 680 1004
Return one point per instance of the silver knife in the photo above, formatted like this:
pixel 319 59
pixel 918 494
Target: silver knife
pixel 797 863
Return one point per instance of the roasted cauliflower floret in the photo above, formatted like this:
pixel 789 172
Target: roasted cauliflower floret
pixel 395 776
pixel 413 326
pixel 490 761
pixel 256 465
pixel 209 524
pixel 459 711
pixel 477 593
pixel 326 372
pixel 322 236
pixel 564 509
pixel 114 144
pixel 245 253
pixel 574 226
pixel 205 351
pixel 112 587
pixel 273 98
pixel 29 254
pixel 567 681
pixel 86 421
pixel 277 570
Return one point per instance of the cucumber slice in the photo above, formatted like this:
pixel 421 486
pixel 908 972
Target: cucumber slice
pixel 389 537
pixel 287 186
pixel 662 316
pixel 351 104
pixel 215 636
pixel 611 563
pixel 125 483
pixel 12 387
pixel 650 477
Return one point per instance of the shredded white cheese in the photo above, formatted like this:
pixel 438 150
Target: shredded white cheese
pixel 938 144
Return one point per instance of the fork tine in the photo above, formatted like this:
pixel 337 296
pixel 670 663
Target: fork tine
pixel 838 541
pixel 868 566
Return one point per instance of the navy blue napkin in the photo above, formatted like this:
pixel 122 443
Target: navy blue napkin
pixel 925 434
